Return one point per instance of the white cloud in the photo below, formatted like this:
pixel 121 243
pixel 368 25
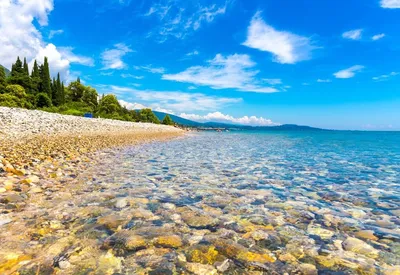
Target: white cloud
pixel 349 72
pixel 231 72
pixel 286 47
pixel 20 37
pixel 171 100
pixel 195 52
pixel 179 19
pixel 132 106
pixel 385 77
pixel 151 69
pixel 54 33
pixel 324 80
pixel 273 81
pixel 56 61
pixel 378 36
pixel 390 4
pixel 132 76
pixel 112 58
pixel 73 58
pixel 220 117
pixel 353 34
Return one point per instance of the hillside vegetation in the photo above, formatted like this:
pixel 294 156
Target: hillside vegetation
pixel 35 89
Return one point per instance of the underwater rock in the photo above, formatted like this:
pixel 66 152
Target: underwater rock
pixel 112 221
pixel 172 241
pixel 360 247
pixel 201 269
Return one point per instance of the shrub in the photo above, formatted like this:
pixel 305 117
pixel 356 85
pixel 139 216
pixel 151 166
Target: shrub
pixel 16 90
pixel 73 112
pixel 167 120
pixel 9 100
pixel 147 115
pixel 43 100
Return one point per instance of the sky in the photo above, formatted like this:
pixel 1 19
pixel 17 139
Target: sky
pixel 329 64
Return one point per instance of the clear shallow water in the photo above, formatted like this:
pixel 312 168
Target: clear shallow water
pixel 295 196
pixel 219 203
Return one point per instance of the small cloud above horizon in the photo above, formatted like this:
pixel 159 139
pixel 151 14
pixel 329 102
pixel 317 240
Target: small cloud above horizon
pixel 353 34
pixel 349 72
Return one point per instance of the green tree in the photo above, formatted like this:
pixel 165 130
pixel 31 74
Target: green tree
pixel 35 78
pixel 16 90
pixel 76 90
pixel 45 86
pixel 53 86
pixel 19 76
pixel 90 96
pixel 147 115
pixel 43 100
pixel 109 105
pixel 26 68
pixel 60 91
pixel 3 80
pixel 167 120
pixel 17 70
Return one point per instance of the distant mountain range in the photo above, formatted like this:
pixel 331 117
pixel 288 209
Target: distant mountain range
pixel 6 70
pixel 227 126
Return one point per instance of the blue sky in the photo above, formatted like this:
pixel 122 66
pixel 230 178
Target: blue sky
pixel 331 64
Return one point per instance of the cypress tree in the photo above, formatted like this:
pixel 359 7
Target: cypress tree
pixel 54 92
pixel 63 99
pixel 19 76
pixel 17 69
pixel 60 91
pixel 78 80
pixel 26 69
pixel 35 78
pixel 45 77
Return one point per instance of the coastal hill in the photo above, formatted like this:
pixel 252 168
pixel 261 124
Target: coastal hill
pixel 227 126
pixel 7 71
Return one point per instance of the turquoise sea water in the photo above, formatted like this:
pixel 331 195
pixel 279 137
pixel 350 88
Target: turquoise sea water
pixel 302 194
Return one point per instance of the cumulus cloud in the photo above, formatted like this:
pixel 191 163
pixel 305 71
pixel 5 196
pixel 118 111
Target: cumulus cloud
pixel 378 36
pixel 231 72
pixel 112 58
pixel 286 47
pixel 385 77
pixel 174 101
pixel 353 34
pixel 20 37
pixel 220 117
pixel 390 4
pixel 349 72
pixel 179 19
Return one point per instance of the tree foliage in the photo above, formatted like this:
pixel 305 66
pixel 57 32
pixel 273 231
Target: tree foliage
pixel 39 90
pixel 43 100
pixel 167 120
pixel 147 115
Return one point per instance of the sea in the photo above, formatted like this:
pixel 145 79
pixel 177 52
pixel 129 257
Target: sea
pixel 325 202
